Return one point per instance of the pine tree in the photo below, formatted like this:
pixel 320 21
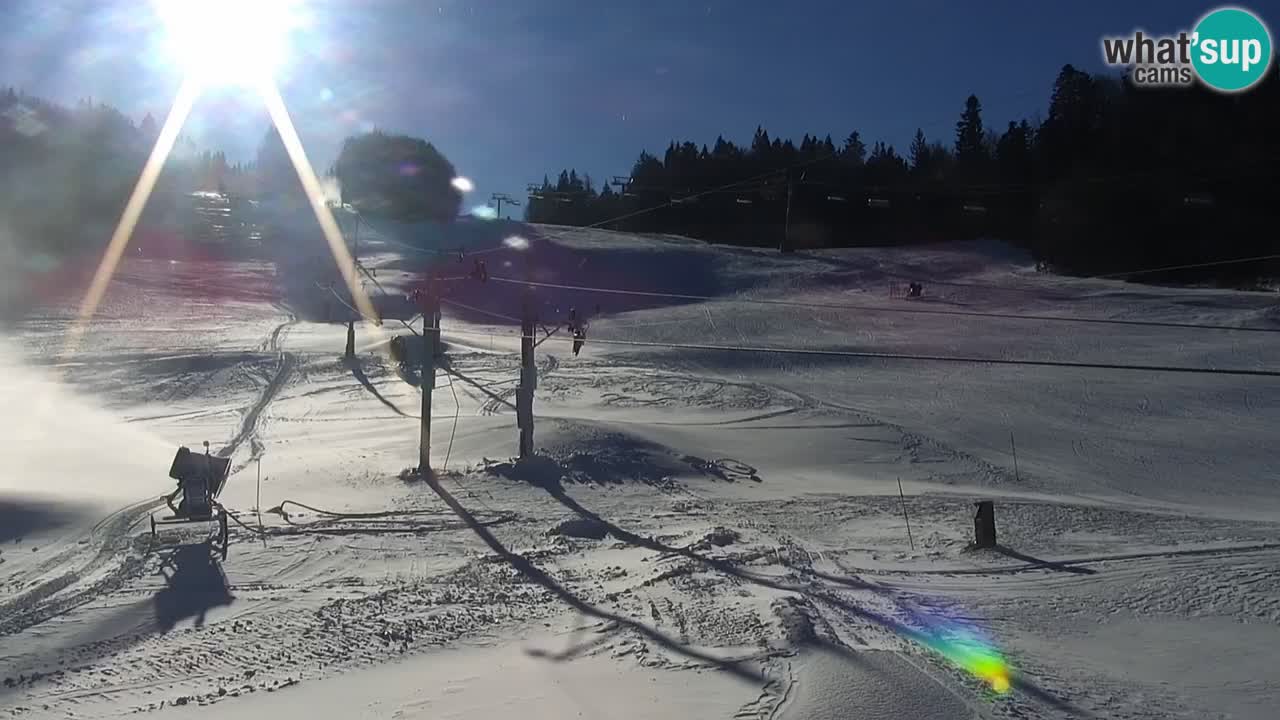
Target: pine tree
pixel 971 148
pixel 761 150
pixel 1067 135
pixel 919 152
pixel 855 151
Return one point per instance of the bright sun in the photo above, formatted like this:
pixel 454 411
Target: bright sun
pixel 227 41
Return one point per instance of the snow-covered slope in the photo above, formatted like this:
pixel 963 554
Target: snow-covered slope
pixel 713 526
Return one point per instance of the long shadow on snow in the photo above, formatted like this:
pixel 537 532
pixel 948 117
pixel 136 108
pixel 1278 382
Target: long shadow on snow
pixel 194 584
pixel 1049 564
pixel 929 637
pixel 489 393
pixel 537 575
pixel 357 371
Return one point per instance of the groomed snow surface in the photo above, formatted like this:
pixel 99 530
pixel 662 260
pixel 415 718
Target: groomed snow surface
pixel 706 532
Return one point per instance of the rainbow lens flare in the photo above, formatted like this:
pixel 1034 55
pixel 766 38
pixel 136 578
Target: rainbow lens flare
pixel 965 645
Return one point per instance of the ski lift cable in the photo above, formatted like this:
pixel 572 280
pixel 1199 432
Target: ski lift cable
pixel 771 173
pixel 920 357
pixel 376 321
pixel 1108 276
pixel 457 410
pixel 987 188
pixel 1187 267
pixel 472 308
pixel 669 203
pixel 881 309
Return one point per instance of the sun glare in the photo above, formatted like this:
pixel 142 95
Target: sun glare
pixel 223 42
pixel 227 41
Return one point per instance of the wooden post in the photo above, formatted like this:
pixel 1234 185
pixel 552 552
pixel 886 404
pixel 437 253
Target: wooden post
pixel 261 533
pixel 430 333
pixel 528 375
pixel 1013 445
pixel 351 340
pixel 984 525
pixel 785 245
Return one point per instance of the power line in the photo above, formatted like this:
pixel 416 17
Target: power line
pixel 472 308
pixel 457 410
pixel 375 320
pixel 875 308
pixel 721 188
pixel 926 358
pixel 1187 267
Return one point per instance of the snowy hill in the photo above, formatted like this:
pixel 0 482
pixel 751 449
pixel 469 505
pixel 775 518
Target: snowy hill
pixel 713 527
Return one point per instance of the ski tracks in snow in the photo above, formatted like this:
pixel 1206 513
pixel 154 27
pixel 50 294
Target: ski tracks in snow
pixel 113 558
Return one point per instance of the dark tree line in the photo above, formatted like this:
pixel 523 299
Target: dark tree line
pixel 66 173
pixel 1115 177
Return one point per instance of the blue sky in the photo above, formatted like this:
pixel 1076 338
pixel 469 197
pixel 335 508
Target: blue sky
pixel 512 89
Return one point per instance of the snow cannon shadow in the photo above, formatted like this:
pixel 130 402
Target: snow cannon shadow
pixel 194 584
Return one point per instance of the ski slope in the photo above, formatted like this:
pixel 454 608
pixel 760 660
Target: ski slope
pixel 713 526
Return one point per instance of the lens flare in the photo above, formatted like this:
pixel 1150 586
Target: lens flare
pixel 106 269
pixel 515 242
pixel 963 644
pixel 484 212
pixel 315 194
pixel 463 185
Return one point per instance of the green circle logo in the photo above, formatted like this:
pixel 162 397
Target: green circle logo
pixel 1231 49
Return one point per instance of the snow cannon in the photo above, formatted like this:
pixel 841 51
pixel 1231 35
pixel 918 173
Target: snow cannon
pixel 201 478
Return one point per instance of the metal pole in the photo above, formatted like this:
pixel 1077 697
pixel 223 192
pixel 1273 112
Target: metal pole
pixel 903 499
pixel 528 376
pixel 430 330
